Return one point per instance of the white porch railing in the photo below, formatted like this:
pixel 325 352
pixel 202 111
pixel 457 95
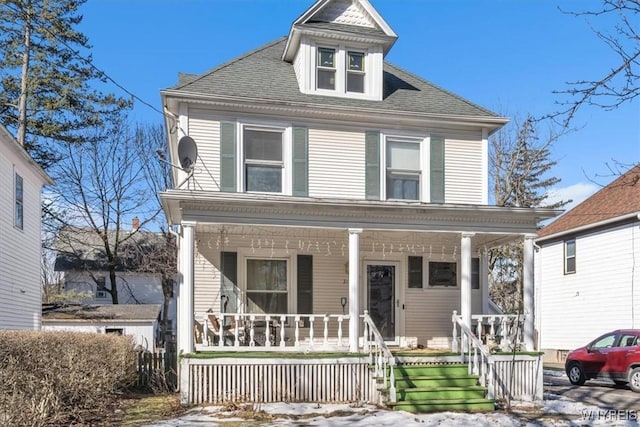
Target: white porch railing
pixel 277 332
pixel 475 354
pixel 497 330
pixel 381 356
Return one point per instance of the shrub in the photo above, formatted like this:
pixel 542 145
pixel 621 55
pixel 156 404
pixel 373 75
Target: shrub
pixel 61 378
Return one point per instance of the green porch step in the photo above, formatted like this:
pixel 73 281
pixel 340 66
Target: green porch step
pixel 438 387
pixel 440 405
pixel 440 393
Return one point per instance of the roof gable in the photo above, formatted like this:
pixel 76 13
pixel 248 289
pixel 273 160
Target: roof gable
pixel 616 200
pixel 347 16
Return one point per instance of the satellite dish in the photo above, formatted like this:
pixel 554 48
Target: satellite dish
pixel 187 152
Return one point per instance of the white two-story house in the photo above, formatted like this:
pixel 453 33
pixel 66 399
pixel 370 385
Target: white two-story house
pixel 329 183
pixel 20 235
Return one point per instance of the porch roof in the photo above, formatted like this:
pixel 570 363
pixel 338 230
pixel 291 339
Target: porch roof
pixel 276 210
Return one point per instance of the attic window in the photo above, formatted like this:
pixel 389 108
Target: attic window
pixel 355 72
pixel 326 68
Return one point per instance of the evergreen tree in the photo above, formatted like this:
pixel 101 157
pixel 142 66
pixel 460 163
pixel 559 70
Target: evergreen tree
pixel 520 170
pixel 47 80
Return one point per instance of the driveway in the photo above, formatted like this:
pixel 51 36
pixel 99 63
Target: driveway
pixel 601 393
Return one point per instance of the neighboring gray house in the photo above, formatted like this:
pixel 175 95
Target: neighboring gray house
pixel 20 235
pixel 139 321
pixel 81 257
pixel 588 268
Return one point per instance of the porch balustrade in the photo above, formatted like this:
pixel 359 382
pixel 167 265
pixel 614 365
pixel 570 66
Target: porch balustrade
pixel 275 332
pixel 503 331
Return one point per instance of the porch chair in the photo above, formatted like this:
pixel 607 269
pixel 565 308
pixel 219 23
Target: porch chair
pixel 228 331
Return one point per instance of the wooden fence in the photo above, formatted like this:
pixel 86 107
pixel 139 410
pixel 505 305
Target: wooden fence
pixel 157 371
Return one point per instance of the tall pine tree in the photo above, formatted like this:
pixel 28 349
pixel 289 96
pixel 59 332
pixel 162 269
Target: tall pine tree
pixel 48 92
pixel 521 166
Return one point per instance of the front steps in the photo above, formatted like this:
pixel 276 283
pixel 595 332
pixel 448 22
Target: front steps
pixel 438 387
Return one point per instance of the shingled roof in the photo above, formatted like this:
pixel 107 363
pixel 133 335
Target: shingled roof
pixel 262 74
pixel 616 200
pixel 115 312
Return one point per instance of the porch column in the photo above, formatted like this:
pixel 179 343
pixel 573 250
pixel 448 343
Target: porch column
pixel 354 294
pixel 528 292
pixel 465 282
pixel 185 289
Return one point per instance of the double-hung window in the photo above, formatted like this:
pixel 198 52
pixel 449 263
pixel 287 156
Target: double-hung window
pixel 326 68
pixel 19 202
pixel 263 159
pixel 355 72
pixel 403 170
pixel 267 290
pixel 569 257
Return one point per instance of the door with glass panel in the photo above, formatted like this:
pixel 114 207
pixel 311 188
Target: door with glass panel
pixel 381 298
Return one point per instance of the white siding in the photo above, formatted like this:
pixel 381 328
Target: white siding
pixel 336 164
pixel 20 291
pixel 464 169
pixel 599 297
pixel 205 130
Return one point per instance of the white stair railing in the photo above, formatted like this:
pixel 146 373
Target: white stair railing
pixel 381 358
pixel 474 353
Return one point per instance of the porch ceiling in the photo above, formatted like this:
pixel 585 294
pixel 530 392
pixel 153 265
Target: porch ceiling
pixel 268 210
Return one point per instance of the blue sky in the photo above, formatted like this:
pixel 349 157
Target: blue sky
pixel 506 55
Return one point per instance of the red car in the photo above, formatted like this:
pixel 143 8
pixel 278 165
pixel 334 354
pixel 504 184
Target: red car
pixel 615 356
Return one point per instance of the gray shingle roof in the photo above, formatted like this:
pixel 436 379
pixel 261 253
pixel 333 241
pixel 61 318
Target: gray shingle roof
pixel 262 74
pixel 102 312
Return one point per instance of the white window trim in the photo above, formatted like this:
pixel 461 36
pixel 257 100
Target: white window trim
pixel 15 201
pixel 290 256
pixel 342 50
pixel 416 138
pixel 287 162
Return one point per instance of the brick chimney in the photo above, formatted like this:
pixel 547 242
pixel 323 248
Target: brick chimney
pixel 135 224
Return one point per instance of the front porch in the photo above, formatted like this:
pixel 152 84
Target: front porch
pixel 319 367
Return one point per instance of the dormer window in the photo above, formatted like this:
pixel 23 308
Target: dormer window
pixel 355 72
pixel 326 68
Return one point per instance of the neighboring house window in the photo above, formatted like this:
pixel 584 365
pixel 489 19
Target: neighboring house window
pixel 403 170
pixel 326 74
pixel 569 257
pixel 355 72
pixel 415 272
pixel 442 274
pixel 114 331
pixel 267 288
pixel 101 291
pixel 263 159
pixel 475 273
pixel 19 202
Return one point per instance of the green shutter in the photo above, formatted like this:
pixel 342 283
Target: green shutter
pixel 228 281
pixel 437 169
pixel 305 284
pixel 300 162
pixel 228 156
pixel 372 165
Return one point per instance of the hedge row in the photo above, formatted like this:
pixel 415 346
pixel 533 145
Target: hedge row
pixel 61 378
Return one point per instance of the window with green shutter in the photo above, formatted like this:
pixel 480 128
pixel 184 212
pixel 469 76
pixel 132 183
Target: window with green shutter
pixel 437 170
pixel 300 173
pixel 305 284
pixel 228 156
pixel 372 165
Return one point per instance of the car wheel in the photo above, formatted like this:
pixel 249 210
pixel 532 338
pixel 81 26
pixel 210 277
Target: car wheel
pixel 576 374
pixel 634 380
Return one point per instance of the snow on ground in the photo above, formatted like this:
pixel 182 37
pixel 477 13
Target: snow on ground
pixel 554 411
